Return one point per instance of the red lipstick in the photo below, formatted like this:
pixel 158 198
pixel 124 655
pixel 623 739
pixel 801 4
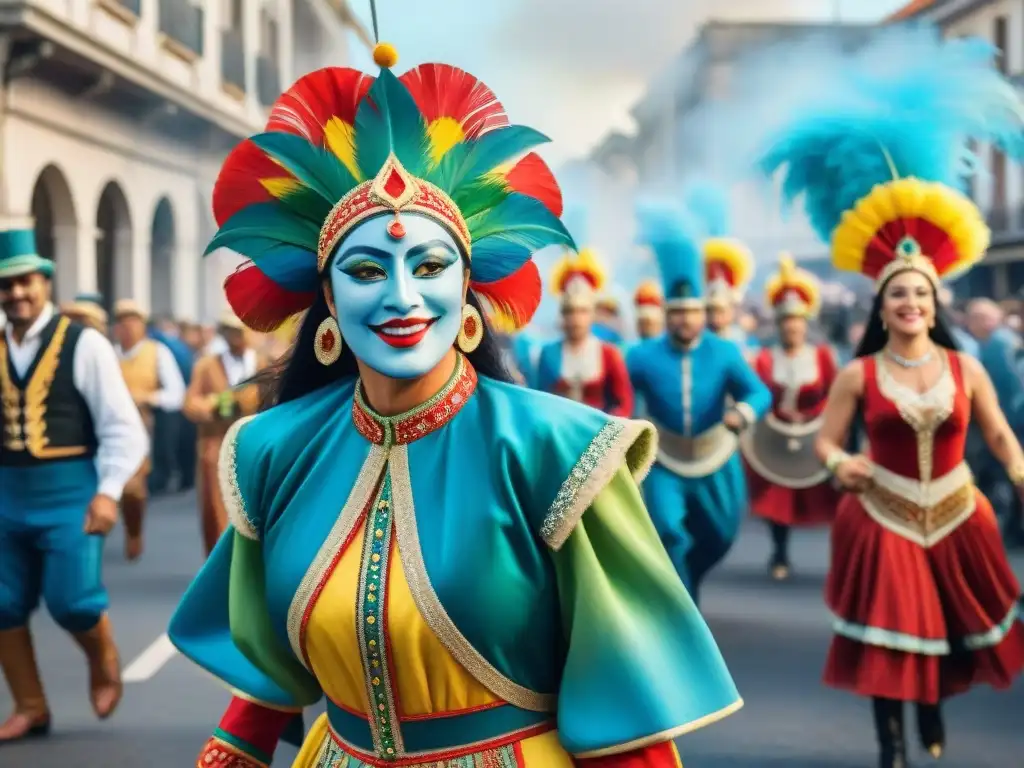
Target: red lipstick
pixel 404 332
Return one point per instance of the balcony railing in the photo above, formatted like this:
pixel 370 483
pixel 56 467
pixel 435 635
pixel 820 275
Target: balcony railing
pixel 133 6
pixel 182 23
pixel 232 59
pixel 268 80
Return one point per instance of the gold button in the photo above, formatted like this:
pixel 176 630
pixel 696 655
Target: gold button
pixel 371 619
pixel 379 533
pixel 376 681
pixel 372 598
pixel 375 557
pixel 373 643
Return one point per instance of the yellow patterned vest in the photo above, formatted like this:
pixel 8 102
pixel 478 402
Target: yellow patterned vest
pixel 141 374
pixel 45 417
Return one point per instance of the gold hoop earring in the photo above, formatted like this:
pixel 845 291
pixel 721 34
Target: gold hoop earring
pixel 327 346
pixel 471 332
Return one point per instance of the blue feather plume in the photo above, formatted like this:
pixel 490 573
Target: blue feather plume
pixel 904 107
pixel 671 233
pixel 708 205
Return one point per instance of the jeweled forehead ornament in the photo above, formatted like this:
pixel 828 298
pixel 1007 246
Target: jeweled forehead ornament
pixel 393 191
pixel 908 257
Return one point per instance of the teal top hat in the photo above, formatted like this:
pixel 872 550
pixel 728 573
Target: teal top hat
pixel 18 254
pixel 90 298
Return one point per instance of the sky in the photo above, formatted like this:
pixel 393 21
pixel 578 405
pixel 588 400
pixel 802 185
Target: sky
pixel 571 68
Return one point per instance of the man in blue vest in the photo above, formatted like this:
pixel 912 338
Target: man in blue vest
pixel 71 439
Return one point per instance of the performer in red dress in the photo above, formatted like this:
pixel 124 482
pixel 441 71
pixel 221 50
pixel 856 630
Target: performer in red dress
pixel 581 366
pixel 925 603
pixel 787 482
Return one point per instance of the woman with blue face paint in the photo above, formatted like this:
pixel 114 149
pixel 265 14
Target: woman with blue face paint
pixel 461 567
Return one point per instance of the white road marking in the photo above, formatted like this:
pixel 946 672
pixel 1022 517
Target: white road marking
pixel 150 661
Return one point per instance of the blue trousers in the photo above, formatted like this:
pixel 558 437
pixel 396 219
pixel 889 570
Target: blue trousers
pixel 44 551
pixel 698 518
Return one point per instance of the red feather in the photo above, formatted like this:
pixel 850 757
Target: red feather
pixel 440 90
pixel 306 107
pixel 261 303
pixel 516 296
pixel 531 176
pixel 239 181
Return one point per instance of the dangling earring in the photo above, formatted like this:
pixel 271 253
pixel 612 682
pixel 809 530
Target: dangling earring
pixel 472 331
pixel 327 346
pixel 885 326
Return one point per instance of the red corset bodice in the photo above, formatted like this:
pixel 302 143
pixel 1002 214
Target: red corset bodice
pixel 803 380
pixel 925 433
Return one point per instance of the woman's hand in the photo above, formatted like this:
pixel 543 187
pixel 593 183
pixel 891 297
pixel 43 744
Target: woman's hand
pixel 855 473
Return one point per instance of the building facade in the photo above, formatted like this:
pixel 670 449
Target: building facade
pixel 115 116
pixel 1000 191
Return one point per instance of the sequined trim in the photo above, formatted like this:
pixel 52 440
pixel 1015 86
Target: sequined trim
pixel 620 440
pixel 429 605
pixel 227 478
pixel 358 499
pixel 336 753
pixel 422 420
pixel 370 627
pixel 667 735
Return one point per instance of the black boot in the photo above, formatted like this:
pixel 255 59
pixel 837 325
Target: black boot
pixel 931 729
pixel 889 728
pixel 778 566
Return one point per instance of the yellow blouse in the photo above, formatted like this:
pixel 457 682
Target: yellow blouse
pixel 426 679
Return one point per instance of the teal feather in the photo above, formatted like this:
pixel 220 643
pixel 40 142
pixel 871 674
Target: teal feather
pixel 316 167
pixel 264 221
pixel 469 160
pixel 522 220
pixel 306 203
pixel 495 258
pixel 481 195
pixel 387 121
pixel 708 204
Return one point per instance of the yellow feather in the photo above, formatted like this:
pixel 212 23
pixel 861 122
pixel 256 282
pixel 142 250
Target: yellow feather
pixel 733 254
pixel 444 133
pixel 281 187
pixel 584 262
pixel 340 138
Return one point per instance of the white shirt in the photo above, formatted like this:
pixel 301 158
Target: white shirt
pixel 171 395
pixel 238 369
pixel 217 346
pixel 123 442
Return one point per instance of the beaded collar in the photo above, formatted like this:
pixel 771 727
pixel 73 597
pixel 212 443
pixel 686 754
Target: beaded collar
pixel 421 420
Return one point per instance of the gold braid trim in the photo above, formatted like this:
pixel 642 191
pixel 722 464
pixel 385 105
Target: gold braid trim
pixel 227 477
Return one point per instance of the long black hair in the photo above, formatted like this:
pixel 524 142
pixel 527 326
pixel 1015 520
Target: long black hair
pixel 876 337
pixel 299 372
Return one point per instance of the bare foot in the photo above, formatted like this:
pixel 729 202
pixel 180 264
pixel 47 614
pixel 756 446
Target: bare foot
pixel 23 726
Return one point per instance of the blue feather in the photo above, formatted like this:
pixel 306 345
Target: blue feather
pixel 294 269
pixel 387 121
pixel 495 258
pixel 469 160
pixel 708 204
pixel 316 167
pixel 522 220
pixel 673 236
pixel 264 222
pixel 904 107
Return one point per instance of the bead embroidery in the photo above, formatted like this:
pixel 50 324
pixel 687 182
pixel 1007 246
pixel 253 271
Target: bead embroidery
pixel 333 756
pixel 387 736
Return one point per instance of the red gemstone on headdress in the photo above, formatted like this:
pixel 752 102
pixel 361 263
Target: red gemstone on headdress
pixel 396 229
pixel 327 341
pixel 395 185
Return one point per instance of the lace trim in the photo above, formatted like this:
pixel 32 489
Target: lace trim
pixel 227 478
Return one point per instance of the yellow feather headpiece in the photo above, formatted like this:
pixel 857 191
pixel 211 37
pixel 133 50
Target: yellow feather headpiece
pixel 578 278
pixel 793 292
pixel 728 268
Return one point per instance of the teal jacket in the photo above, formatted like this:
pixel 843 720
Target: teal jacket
pixel 524 539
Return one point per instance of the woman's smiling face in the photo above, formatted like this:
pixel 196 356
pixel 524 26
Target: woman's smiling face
pixel 399 302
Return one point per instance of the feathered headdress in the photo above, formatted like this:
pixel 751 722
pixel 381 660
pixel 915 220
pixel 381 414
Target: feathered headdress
pixel 672 235
pixel 577 278
pixel 341 147
pixel 793 291
pixel 882 157
pixel 728 263
pixel 648 299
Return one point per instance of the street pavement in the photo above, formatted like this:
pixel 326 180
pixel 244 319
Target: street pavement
pixel 774 637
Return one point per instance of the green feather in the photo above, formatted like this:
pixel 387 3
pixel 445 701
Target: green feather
pixel 387 121
pixel 266 220
pixel 316 167
pixel 521 220
pixel 481 195
pixel 468 161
